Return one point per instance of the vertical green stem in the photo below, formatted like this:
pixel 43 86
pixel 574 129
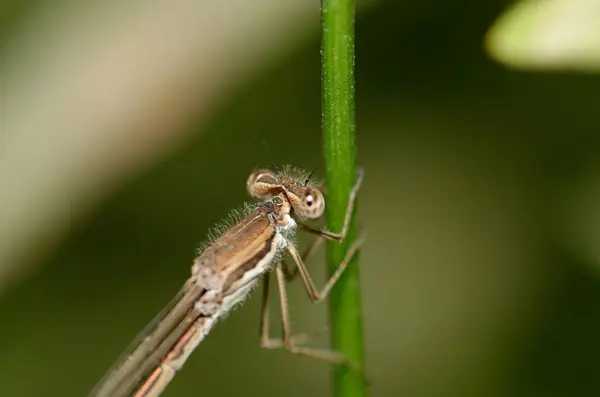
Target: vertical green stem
pixel 337 18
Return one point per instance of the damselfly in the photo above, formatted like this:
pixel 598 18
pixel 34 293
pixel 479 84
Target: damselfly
pixel 242 250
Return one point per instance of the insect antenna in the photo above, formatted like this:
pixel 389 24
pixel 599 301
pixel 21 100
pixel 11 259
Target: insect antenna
pixel 309 177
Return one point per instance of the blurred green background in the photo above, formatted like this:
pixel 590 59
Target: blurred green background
pixel 480 276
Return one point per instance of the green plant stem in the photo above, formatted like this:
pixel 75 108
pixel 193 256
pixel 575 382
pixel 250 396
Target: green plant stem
pixel 337 18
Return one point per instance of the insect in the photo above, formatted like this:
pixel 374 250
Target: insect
pixel 243 250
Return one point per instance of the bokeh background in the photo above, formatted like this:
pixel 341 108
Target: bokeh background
pixel 127 129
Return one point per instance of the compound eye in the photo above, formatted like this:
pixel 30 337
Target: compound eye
pixel 263 184
pixel 310 204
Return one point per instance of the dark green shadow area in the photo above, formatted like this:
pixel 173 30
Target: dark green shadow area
pixel 423 80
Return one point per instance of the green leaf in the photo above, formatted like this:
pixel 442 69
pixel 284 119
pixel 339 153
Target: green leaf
pixel 548 34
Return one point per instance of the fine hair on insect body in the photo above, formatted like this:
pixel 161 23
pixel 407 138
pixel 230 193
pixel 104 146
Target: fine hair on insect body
pixel 241 251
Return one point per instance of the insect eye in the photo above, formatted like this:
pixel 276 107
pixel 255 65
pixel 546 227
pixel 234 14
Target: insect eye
pixel 278 201
pixel 263 184
pixel 309 200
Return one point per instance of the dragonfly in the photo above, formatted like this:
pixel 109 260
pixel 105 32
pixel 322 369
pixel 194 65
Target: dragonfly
pixel 241 251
